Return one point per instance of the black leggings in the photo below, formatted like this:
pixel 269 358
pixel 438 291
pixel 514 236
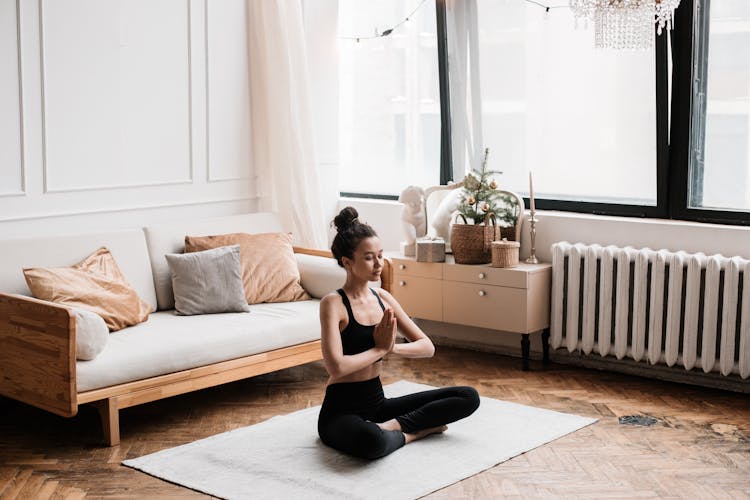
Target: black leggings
pixel 350 411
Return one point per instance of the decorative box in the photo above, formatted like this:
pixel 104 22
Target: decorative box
pixel 505 253
pixel 431 250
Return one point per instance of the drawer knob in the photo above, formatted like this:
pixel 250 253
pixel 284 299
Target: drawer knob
pixel 482 293
pixel 402 283
pixel 481 276
pixel 402 266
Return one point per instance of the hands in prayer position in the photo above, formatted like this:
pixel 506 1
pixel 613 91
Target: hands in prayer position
pixel 385 331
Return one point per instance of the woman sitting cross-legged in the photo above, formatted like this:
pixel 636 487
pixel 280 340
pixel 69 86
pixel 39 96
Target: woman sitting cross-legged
pixel 359 327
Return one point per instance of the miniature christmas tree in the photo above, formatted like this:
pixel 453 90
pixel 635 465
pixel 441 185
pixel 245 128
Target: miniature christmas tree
pixel 480 195
pixel 507 216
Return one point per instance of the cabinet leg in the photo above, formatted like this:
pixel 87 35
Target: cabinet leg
pixel 545 346
pixel 525 352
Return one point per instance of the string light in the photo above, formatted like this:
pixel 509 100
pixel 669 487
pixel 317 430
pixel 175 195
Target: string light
pixel 408 20
pixel 547 7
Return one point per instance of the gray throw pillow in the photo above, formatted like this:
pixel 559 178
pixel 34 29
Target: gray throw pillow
pixel 208 282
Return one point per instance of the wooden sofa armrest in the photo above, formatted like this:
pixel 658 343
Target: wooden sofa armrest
pixel 386 277
pixel 313 251
pixel 38 353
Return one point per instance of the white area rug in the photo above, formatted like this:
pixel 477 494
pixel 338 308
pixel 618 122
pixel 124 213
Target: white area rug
pixel 284 458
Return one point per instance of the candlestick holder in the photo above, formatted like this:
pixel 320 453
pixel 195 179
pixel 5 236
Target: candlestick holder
pixel 532 232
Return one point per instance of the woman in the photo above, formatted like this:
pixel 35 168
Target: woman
pixel 358 329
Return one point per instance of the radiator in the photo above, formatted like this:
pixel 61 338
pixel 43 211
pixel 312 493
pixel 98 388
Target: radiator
pixel 658 307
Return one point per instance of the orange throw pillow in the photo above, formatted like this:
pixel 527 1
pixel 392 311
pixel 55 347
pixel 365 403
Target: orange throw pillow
pixel 269 269
pixel 96 284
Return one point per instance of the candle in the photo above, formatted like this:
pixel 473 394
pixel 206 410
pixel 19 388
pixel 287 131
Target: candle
pixel 531 193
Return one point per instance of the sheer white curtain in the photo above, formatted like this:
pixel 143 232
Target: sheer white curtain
pixel 465 94
pixel 284 155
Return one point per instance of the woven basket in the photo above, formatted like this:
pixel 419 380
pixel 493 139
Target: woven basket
pixel 508 233
pixel 471 242
pixel 505 253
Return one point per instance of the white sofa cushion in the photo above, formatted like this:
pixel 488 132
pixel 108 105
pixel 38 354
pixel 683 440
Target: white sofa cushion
pixel 170 238
pixel 168 343
pixel 319 275
pixel 91 334
pixel 128 248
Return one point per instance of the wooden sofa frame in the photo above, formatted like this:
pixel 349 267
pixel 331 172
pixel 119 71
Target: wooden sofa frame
pixel 38 363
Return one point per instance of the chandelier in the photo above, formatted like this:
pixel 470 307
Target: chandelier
pixel 625 24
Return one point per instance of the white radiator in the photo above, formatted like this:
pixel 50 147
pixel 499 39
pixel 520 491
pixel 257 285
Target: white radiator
pixel 628 302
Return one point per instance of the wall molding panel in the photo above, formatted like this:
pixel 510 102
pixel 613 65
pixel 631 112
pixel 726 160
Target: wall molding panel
pixel 228 152
pixel 85 221
pixel 68 166
pixel 75 189
pixel 18 138
pixel 132 208
pixel 113 114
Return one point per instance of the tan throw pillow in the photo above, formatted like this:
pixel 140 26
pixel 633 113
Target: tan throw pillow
pixel 95 284
pixel 269 270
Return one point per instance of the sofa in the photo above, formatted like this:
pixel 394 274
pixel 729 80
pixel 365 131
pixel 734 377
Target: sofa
pixel 164 356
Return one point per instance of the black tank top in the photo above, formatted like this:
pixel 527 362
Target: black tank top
pixel 356 338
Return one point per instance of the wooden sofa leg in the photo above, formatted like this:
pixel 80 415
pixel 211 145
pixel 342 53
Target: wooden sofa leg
pixel 110 416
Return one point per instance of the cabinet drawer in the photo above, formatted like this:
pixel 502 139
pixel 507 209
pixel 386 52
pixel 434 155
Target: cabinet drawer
pixel 420 297
pixel 421 269
pixel 485 306
pixel 487 275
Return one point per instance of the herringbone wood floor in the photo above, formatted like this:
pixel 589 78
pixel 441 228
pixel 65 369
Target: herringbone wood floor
pixel 700 448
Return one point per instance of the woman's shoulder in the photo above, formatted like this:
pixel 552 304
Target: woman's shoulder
pixel 331 300
pixel 384 294
pixel 332 308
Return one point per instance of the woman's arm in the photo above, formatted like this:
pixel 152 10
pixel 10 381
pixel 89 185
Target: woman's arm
pixel 336 362
pixel 419 345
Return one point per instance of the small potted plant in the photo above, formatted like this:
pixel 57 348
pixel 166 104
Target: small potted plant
pixel 478 207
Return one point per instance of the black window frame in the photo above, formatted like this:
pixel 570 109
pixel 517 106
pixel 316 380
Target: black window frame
pixel 446 155
pixel 689 66
pixel 675 119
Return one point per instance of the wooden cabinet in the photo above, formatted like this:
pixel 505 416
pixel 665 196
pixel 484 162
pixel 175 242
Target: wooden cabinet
pixel 410 267
pixel 486 306
pixel 420 297
pixel 486 275
pixel 418 287
pixel 512 299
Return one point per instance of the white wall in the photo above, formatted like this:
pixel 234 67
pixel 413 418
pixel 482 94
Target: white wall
pixel 692 237
pixel 384 216
pixel 119 113
pixel 638 233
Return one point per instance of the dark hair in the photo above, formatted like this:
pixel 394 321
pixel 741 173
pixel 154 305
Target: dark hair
pixel 349 232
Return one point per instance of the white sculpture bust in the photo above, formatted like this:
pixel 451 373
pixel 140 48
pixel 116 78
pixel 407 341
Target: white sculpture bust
pixel 412 218
pixel 441 219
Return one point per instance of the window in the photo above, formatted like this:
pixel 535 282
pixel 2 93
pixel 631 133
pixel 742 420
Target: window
pixel 720 140
pixel 583 120
pixel 657 133
pixel 389 97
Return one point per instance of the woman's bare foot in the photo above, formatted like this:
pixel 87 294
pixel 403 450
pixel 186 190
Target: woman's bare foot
pixel 394 425
pixel 425 432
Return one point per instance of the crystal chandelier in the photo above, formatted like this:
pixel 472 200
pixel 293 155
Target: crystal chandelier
pixel 625 24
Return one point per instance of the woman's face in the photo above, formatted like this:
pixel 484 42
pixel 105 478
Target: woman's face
pixel 367 261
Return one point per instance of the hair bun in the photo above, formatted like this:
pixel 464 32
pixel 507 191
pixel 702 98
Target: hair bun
pixel 345 219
